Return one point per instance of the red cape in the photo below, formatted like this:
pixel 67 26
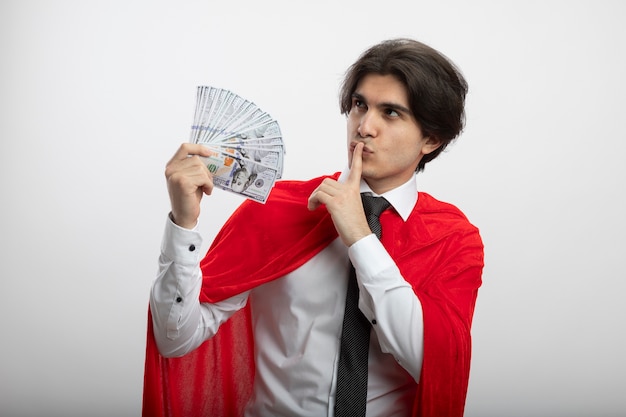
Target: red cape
pixel 437 250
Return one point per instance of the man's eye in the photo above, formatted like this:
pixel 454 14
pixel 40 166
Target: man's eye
pixel 392 113
pixel 358 103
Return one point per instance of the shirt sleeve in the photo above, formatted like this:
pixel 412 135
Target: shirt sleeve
pixel 181 322
pixel 389 303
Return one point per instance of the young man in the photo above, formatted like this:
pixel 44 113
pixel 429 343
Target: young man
pixel 264 336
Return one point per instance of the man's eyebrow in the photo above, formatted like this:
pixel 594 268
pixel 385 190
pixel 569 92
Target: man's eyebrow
pixel 386 105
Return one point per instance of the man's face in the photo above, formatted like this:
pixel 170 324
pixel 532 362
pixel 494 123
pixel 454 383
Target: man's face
pixel 380 118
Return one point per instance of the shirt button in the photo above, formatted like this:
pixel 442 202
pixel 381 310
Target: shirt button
pixel 192 248
pixel 373 321
pixel 179 299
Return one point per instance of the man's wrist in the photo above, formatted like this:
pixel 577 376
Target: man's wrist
pixel 189 225
pixel 181 245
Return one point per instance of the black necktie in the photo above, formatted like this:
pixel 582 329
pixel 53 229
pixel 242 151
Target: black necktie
pixel 351 394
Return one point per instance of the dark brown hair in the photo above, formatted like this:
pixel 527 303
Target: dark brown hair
pixel 435 86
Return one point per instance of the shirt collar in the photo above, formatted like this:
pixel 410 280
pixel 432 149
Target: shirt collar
pixel 403 198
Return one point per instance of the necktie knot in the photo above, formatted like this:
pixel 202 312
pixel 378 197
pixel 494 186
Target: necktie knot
pixel 373 207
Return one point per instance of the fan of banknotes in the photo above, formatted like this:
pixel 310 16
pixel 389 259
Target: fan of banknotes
pixel 246 142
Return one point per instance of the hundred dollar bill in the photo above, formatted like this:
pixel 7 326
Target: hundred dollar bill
pixel 247 148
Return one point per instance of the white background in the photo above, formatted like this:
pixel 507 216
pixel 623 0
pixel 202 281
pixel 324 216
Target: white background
pixel 96 96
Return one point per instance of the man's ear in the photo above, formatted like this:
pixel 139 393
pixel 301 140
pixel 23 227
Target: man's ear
pixel 430 144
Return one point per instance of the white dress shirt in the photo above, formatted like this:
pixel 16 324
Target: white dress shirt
pixel 297 321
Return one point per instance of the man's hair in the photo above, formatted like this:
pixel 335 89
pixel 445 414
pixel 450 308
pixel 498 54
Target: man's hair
pixel 435 86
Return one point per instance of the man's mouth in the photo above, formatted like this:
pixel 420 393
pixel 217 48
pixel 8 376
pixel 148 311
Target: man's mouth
pixel 366 149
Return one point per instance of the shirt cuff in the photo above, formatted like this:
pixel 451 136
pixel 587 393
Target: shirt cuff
pixel 370 258
pixel 180 245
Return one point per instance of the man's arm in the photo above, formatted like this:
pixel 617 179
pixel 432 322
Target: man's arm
pixel 390 304
pixel 181 322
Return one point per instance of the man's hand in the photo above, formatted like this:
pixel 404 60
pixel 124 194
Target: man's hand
pixel 187 180
pixel 343 201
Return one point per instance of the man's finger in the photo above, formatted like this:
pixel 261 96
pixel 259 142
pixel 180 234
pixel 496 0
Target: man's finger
pixel 314 200
pixel 188 149
pixel 356 166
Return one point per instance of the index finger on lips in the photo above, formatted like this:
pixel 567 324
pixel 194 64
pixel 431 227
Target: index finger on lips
pixel 356 166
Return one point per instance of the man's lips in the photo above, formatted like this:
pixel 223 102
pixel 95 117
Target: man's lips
pixel 366 149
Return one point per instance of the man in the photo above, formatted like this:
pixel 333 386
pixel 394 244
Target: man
pixel 263 336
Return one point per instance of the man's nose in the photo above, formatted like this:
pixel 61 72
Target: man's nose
pixel 368 125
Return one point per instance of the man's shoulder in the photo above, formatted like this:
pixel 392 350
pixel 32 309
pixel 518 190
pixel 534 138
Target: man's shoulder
pixel 437 212
pixel 427 203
